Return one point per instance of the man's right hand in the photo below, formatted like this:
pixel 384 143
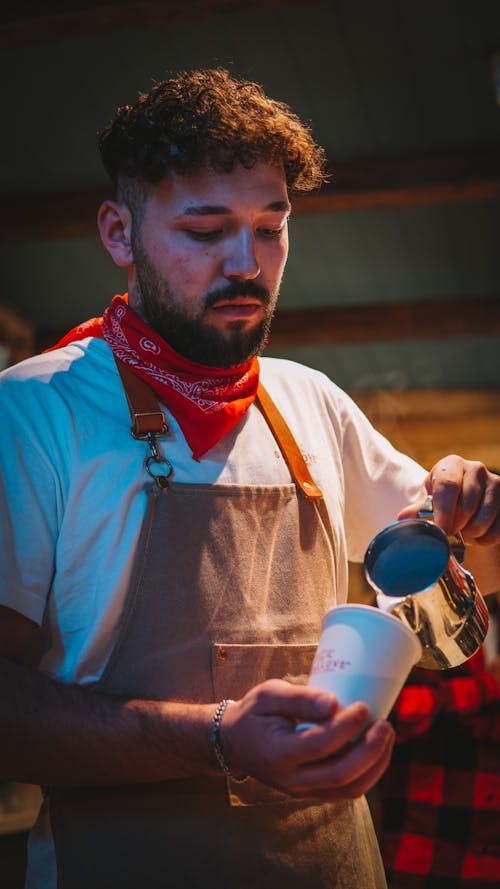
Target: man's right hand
pixel 332 760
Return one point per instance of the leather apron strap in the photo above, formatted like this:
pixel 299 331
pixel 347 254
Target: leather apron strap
pixel 148 419
pixel 146 416
pixel 288 446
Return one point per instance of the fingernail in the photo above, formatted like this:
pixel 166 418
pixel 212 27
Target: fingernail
pixel 382 730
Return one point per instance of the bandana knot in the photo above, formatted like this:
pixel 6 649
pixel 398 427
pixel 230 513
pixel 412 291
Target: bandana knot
pixel 207 402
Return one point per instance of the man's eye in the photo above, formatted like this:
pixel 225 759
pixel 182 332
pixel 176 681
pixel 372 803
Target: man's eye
pixel 203 235
pixel 271 232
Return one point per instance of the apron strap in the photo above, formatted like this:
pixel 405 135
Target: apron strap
pixel 146 416
pixel 148 419
pixel 288 446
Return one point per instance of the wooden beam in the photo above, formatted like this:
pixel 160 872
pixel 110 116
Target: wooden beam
pixel 427 424
pixel 407 182
pixel 419 319
pixel 354 185
pixel 423 319
pixel 60 21
pixel 47 217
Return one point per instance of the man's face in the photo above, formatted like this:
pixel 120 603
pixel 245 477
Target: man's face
pixel 209 256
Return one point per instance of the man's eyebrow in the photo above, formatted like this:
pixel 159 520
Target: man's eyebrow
pixel 221 210
pixel 279 207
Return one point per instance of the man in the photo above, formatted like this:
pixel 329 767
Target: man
pixel 163 591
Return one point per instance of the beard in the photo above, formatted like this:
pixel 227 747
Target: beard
pixel 188 334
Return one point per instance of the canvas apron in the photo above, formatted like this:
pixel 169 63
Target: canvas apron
pixel 229 588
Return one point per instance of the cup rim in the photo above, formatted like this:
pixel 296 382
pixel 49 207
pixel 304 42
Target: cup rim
pixel 382 615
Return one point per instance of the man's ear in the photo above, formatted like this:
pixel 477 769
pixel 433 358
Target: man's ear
pixel 115 225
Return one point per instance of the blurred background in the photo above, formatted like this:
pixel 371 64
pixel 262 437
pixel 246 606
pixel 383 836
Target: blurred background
pixel 392 287
pixel 393 282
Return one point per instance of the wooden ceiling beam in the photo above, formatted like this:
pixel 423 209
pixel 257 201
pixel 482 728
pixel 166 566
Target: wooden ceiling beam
pixel 48 217
pixel 354 185
pixel 413 320
pixel 420 180
pixel 31 23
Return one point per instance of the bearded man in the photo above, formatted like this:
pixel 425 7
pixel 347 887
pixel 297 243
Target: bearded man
pixel 169 553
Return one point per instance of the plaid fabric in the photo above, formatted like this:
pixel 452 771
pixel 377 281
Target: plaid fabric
pixel 439 802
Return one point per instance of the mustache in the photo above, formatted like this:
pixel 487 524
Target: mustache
pixel 237 289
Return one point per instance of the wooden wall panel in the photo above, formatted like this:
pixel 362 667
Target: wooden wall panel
pixel 427 424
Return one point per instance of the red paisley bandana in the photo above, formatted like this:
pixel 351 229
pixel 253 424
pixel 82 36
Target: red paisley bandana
pixel 207 402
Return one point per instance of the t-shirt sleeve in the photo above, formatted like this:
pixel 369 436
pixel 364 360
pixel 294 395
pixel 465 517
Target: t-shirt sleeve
pixel 379 480
pixel 29 506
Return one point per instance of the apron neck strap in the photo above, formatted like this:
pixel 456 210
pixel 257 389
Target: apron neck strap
pixel 148 419
pixel 288 446
pixel 146 416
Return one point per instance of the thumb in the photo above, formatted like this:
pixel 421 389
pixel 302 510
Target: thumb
pixel 296 701
pixel 413 509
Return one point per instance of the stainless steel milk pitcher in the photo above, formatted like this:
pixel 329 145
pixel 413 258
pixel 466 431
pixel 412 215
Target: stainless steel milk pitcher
pixel 415 570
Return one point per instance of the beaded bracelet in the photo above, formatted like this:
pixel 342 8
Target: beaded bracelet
pixel 215 739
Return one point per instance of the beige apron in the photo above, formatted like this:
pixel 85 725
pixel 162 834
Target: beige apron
pixel 229 588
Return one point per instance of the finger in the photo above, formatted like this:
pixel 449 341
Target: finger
pixel 368 779
pixel 445 485
pixel 412 510
pixel 483 514
pixel 491 537
pixel 327 738
pixel 354 770
pixel 258 731
pixel 295 702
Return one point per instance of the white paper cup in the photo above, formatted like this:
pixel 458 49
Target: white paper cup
pixel 364 655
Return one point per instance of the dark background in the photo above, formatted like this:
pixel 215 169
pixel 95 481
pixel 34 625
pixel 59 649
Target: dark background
pixel 392 286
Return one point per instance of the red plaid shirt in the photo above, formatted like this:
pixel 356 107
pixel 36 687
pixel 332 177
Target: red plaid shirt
pixel 439 802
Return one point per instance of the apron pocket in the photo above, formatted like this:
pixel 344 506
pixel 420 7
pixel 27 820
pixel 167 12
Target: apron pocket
pixel 235 669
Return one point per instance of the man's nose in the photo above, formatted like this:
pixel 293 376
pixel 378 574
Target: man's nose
pixel 241 261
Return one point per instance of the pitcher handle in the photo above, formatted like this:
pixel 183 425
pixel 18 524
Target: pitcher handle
pixel 456 541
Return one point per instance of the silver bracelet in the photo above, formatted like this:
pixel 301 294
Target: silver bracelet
pixel 215 739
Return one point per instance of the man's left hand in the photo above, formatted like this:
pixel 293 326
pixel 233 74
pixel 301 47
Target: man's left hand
pixel 465 498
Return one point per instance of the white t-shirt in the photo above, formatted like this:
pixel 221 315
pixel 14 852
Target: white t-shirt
pixel 73 486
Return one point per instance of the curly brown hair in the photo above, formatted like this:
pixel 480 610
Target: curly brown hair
pixel 208 118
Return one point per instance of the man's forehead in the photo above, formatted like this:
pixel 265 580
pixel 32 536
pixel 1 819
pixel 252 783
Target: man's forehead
pixel 211 192
pixel 221 209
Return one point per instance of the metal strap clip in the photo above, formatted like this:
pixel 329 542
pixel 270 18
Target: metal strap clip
pixel 143 428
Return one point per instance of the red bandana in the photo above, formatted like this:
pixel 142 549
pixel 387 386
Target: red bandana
pixel 206 401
